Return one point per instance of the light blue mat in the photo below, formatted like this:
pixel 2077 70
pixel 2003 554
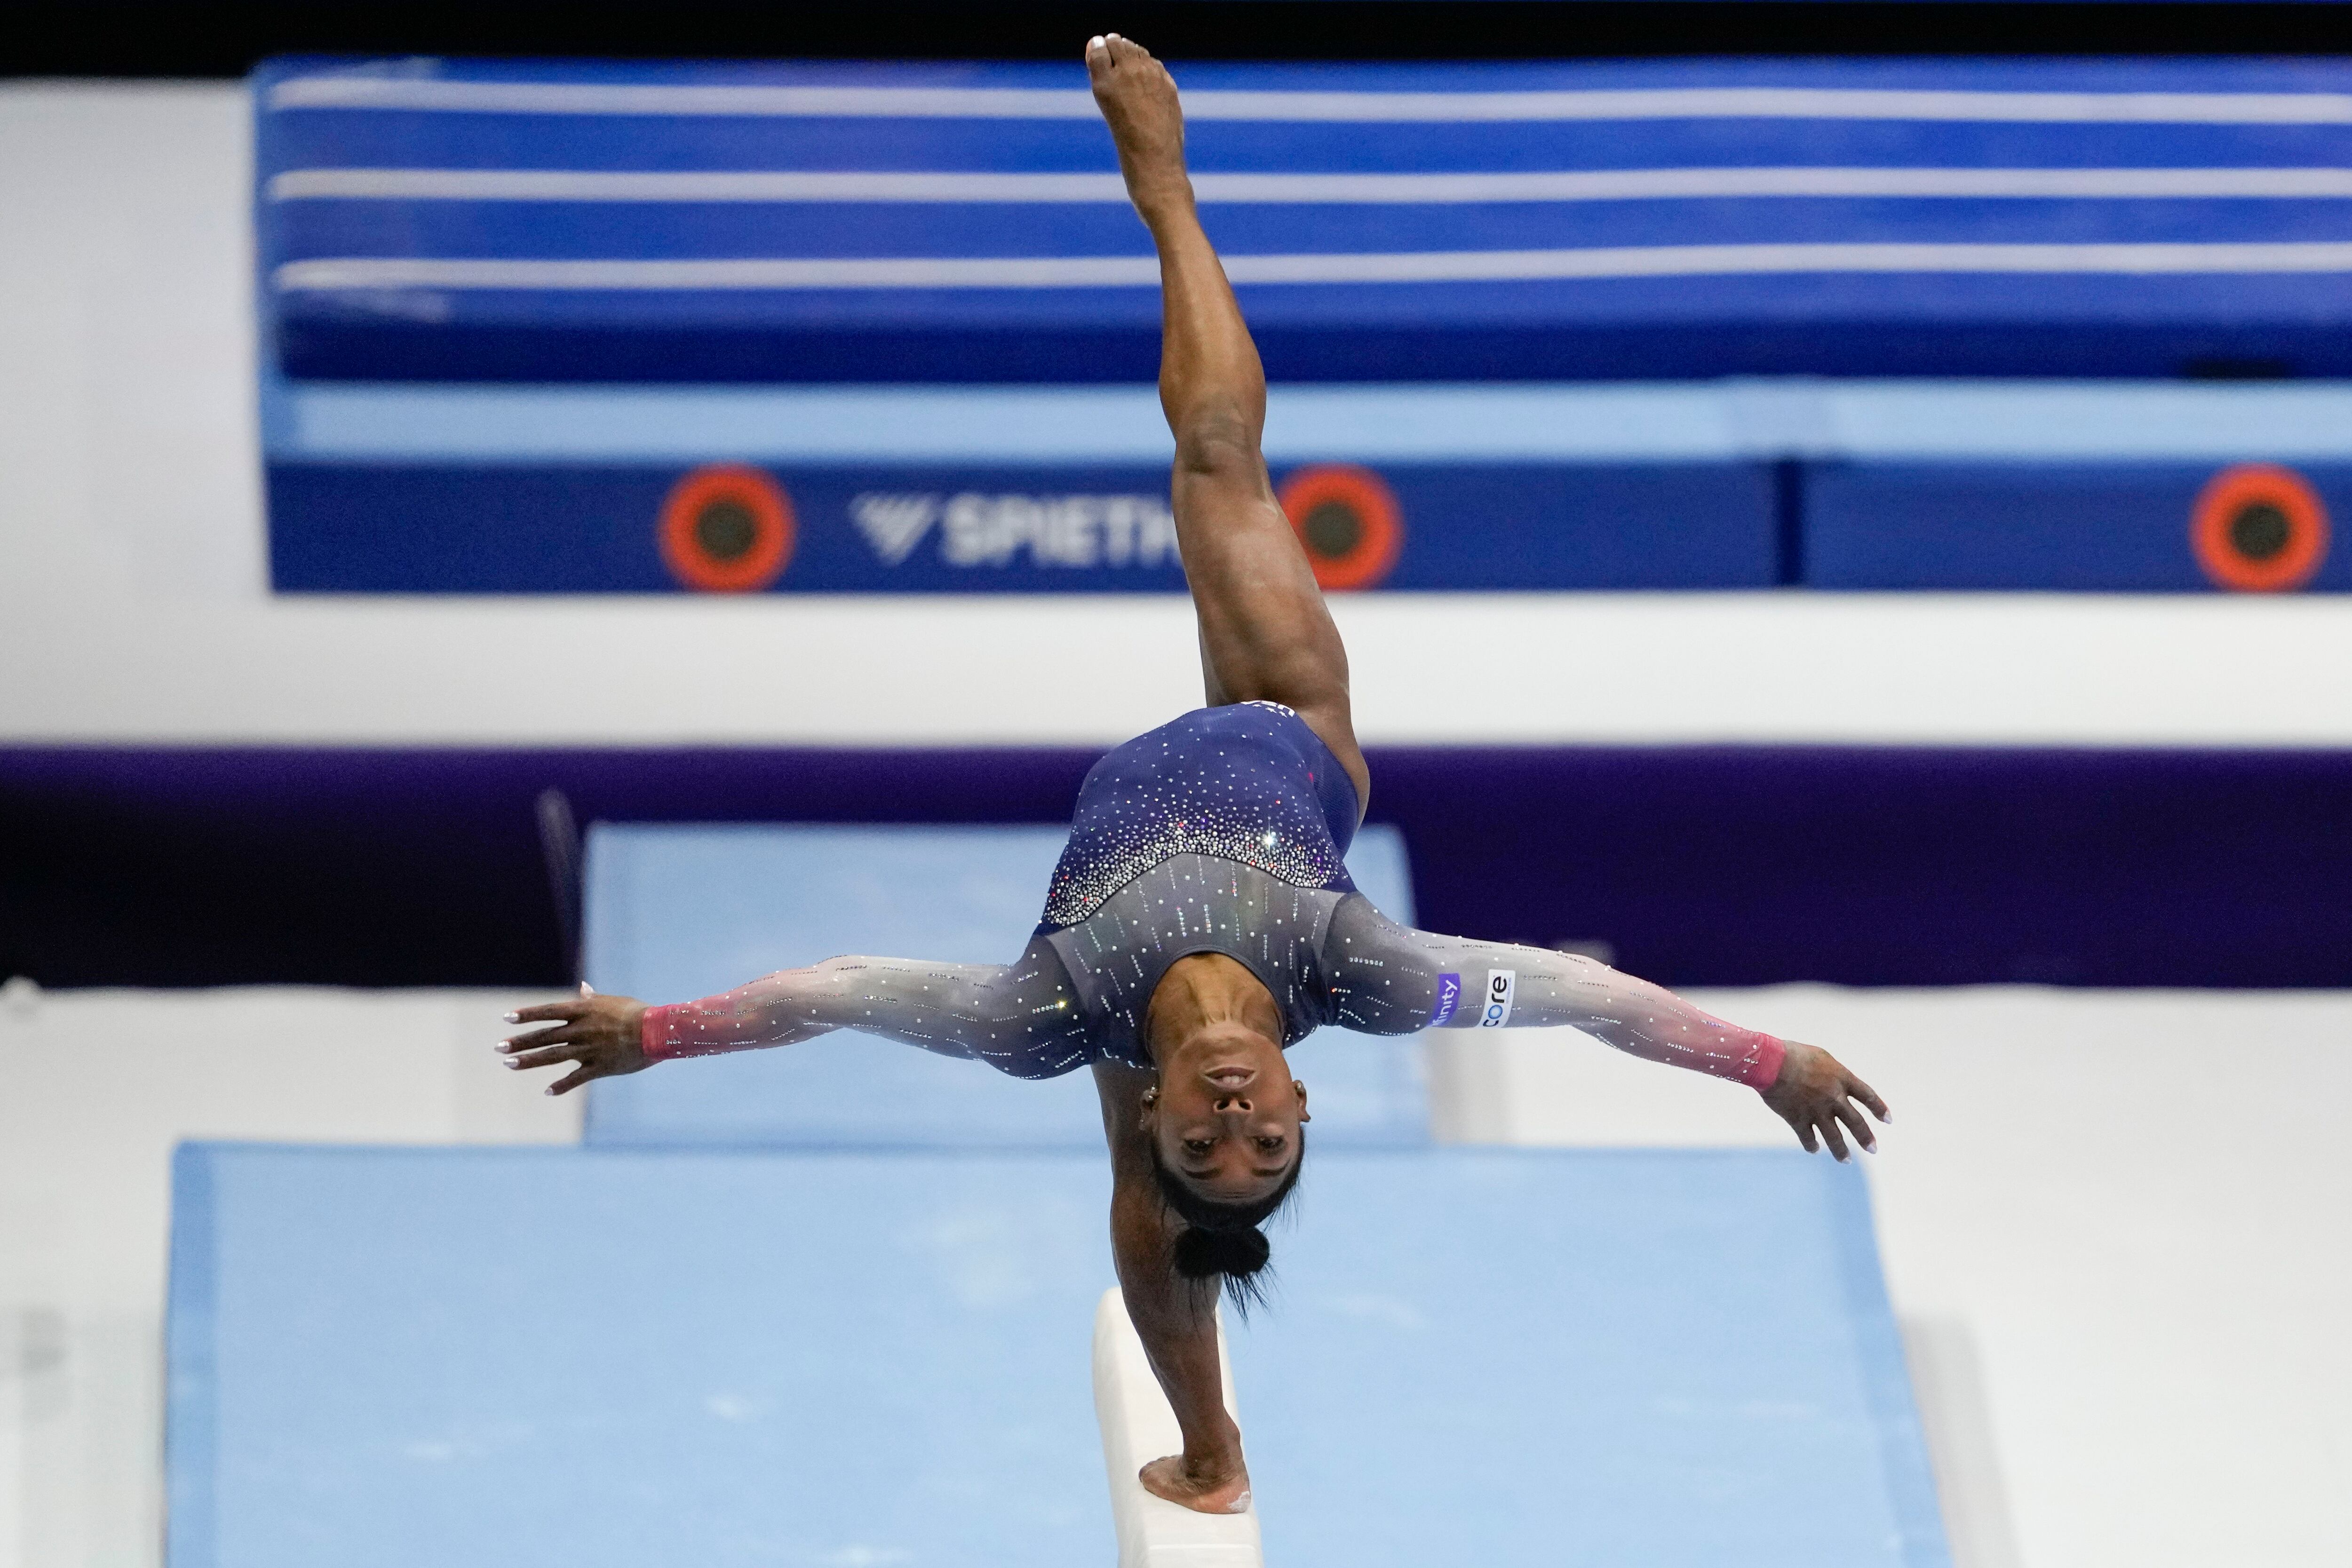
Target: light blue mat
pixel 481 1358
pixel 1766 419
pixel 676 911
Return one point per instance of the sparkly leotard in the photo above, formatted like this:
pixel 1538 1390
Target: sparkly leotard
pixel 1222 832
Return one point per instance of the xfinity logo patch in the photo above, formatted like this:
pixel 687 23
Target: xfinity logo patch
pixel 977 530
pixel 1449 997
pixel 1500 983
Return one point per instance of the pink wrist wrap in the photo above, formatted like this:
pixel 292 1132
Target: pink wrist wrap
pixel 654 1034
pixel 1761 1069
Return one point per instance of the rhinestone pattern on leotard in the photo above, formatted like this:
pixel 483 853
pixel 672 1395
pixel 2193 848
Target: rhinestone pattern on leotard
pixel 1197 903
pixel 1248 783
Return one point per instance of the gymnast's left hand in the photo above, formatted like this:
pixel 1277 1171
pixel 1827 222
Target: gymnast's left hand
pixel 598 1035
pixel 1814 1090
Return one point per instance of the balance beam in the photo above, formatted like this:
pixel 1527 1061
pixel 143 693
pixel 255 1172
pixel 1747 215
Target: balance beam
pixel 1139 1426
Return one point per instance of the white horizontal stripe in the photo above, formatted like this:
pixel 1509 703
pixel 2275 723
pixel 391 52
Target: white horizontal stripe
pixel 437 95
pixel 445 96
pixel 759 185
pixel 1567 185
pixel 886 272
pixel 1678 260
pixel 338 274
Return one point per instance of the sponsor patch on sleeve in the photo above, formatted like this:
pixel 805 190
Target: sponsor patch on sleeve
pixel 1496 1008
pixel 1449 997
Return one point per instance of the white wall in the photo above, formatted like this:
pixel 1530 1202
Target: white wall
pixel 132 607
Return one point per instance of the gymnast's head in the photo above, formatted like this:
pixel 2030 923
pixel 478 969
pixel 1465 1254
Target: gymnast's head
pixel 1226 1124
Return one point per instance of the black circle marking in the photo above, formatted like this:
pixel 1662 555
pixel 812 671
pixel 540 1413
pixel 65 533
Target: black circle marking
pixel 726 529
pixel 2259 530
pixel 1332 529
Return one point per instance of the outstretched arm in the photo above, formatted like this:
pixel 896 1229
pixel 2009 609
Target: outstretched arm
pixel 1020 1018
pixel 1176 1318
pixel 1388 979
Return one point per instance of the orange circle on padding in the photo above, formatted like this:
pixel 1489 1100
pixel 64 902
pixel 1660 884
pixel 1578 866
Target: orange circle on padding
pixel 2259 529
pixel 727 529
pixel 1347 521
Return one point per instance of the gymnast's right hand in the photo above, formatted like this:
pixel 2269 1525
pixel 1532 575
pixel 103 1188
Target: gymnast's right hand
pixel 599 1035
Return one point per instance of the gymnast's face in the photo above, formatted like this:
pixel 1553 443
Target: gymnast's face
pixel 1226 1114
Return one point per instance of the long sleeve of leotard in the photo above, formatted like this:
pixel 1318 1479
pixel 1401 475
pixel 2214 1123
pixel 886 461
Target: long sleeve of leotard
pixel 1388 979
pixel 1021 1019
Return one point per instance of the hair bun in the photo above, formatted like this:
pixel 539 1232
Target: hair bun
pixel 1236 1254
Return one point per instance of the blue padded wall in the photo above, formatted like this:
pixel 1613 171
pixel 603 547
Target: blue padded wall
pixel 1722 485
pixel 472 1358
pixel 596 527
pixel 2095 527
pixel 676 912
pixel 442 220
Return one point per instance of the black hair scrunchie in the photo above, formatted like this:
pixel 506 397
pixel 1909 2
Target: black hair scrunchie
pixel 1236 1254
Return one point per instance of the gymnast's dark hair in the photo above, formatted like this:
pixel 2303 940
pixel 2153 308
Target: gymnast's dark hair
pixel 1223 1241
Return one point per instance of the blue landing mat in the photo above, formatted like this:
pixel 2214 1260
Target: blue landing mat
pixel 388 1359
pixel 678 912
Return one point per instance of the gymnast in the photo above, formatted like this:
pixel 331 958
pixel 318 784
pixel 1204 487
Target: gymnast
pixel 1201 920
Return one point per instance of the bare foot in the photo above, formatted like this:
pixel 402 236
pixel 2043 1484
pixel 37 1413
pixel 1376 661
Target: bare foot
pixel 1137 99
pixel 1218 1493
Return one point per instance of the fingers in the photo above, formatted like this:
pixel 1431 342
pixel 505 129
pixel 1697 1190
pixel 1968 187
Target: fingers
pixel 1833 1120
pixel 582 1074
pixel 1803 1129
pixel 1868 1096
pixel 570 1041
pixel 1834 1136
pixel 550 1055
pixel 1845 1112
pixel 514 1043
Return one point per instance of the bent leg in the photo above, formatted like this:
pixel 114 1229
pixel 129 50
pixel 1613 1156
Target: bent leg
pixel 1265 633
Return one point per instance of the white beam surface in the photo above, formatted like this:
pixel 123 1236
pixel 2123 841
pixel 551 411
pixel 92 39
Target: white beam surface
pixel 1137 1426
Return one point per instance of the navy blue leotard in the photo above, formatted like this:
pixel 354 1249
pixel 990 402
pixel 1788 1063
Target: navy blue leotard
pixel 1224 831
pixel 1250 783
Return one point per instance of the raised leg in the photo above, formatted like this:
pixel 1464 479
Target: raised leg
pixel 1265 633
